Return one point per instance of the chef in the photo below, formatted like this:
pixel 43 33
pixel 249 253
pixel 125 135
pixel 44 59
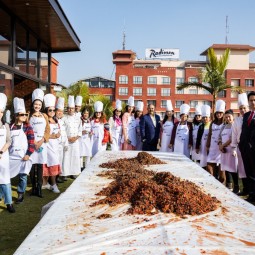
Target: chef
pixel 138 114
pixel 78 104
pixel 115 124
pixel 167 126
pixel 181 139
pixel 22 147
pixel 40 124
pixel 71 164
pixel 5 141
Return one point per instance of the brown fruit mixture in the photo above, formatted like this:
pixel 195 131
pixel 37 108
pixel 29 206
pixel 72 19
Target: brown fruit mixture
pixel 150 192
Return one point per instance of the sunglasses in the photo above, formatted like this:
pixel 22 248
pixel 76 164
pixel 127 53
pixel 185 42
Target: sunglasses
pixel 98 112
pixel 51 110
pixel 23 114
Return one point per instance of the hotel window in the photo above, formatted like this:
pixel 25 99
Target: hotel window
pixel 2 88
pixel 193 103
pixel 180 91
pixel 179 81
pixel 235 82
pixel 166 80
pixel 234 105
pixel 137 80
pixel 192 91
pixel 137 91
pixel 207 103
pixel 178 103
pixel 206 92
pixel 151 92
pixel 193 79
pixel 165 92
pixel 223 93
pixel 123 91
pixel 151 102
pixel 249 82
pixel 152 80
pixel 123 79
pixel 163 103
pixel 233 94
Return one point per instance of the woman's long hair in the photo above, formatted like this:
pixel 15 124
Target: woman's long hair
pixel 114 114
pixel 166 117
pixel 102 118
pixel 218 121
pixel 195 121
pixel 54 117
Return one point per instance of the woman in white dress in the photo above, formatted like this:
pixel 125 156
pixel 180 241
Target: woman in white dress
pixel 236 132
pixel 5 142
pixel 115 127
pixel 98 130
pixel 22 147
pixel 40 124
pixel 214 154
pixel 181 138
pixel 202 135
pixel 52 168
pixel 138 114
pixel 228 161
pixel 167 126
pixel 197 121
pixel 85 140
pixel 129 126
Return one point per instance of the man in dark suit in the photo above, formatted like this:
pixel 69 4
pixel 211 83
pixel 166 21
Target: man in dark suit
pixel 247 146
pixel 150 128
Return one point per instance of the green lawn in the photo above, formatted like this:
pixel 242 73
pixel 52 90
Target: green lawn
pixel 14 227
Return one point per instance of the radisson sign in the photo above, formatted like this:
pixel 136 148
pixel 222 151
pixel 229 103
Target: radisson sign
pixel 152 53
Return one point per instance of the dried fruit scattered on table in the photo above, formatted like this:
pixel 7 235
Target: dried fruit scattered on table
pixel 150 192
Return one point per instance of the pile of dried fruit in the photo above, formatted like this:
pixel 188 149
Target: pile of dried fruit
pixel 149 192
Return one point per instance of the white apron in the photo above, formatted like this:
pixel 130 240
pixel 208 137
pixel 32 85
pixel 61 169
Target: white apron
pixel 214 152
pixel 139 143
pixel 131 130
pixel 203 151
pixel 38 124
pixel 52 147
pixel 116 133
pixel 166 136
pixel 17 152
pixel 97 137
pixel 228 161
pixel 194 155
pixel 85 141
pixel 181 143
pixel 240 166
pixel 62 140
pixel 4 161
pixel 71 162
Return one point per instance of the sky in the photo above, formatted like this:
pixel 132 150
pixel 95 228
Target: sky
pixel 188 25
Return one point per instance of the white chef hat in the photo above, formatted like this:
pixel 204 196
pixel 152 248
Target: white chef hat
pixel 220 106
pixel 118 105
pixel 3 101
pixel 184 109
pixel 37 94
pixel 98 106
pixel 140 106
pixel 61 103
pixel 169 106
pixel 78 101
pixel 242 99
pixel 19 105
pixel 131 101
pixel 206 110
pixel 49 100
pixel 71 101
pixel 198 110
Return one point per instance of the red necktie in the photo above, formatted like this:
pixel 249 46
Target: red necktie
pixel 250 118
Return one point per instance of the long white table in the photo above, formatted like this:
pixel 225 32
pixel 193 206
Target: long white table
pixel 71 226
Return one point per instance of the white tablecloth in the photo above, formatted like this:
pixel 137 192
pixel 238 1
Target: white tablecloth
pixel 71 226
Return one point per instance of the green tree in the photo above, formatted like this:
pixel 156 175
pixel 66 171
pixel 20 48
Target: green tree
pixel 213 78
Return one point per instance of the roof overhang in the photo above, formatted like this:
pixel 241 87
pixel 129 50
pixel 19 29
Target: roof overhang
pixel 47 20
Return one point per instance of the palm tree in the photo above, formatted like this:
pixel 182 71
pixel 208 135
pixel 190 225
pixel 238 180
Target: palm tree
pixel 213 78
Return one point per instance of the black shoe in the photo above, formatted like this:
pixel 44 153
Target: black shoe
pixel 236 189
pixel 242 193
pixel 20 198
pixel 64 178
pixel 250 198
pixel 59 180
pixel 73 177
pixel 10 208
